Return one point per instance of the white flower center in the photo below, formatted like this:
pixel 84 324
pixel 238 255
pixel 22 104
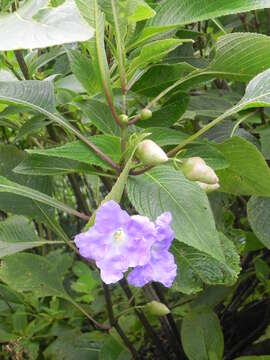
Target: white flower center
pixel 119 237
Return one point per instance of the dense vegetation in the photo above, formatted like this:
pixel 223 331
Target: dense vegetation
pixel 84 86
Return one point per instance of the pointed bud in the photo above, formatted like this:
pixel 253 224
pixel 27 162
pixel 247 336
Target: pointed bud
pixel 145 114
pixel 123 119
pixel 195 169
pixel 157 308
pixel 208 188
pixel 149 153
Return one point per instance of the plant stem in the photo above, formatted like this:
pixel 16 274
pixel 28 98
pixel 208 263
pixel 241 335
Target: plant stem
pixel 22 64
pixel 201 131
pixel 82 310
pixel 174 341
pixel 114 323
pixel 148 328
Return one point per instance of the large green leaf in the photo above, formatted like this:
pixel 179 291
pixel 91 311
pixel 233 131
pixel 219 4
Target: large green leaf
pixel 30 272
pixel 232 61
pixel 180 12
pixel 248 173
pixel 196 268
pixel 258 210
pixel 165 189
pixel 35 25
pixel 78 151
pixel 237 57
pixel 202 336
pixel 17 234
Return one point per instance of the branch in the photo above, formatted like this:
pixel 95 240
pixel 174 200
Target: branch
pixel 114 322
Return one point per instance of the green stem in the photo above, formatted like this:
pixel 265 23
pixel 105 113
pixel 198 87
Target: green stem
pixel 202 131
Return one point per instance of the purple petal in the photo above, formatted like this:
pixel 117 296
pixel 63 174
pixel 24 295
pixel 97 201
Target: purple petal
pixel 110 217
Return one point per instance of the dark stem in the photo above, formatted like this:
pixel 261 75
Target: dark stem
pixel 22 64
pixel 170 318
pixel 256 21
pixel 80 199
pixel 243 18
pixel 114 114
pixel 172 339
pixel 113 322
pixel 267 15
pixel 148 328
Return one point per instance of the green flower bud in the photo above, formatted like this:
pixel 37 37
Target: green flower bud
pixel 145 114
pixel 208 188
pixel 123 119
pixel 157 308
pixel 149 153
pixel 195 169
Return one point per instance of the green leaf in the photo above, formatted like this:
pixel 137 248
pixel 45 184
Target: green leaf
pixel 100 115
pixel 248 173
pixel 38 96
pixel 33 93
pixel 35 25
pixel 258 211
pixel 40 165
pixel 234 52
pixel 139 10
pixel 180 12
pixel 165 189
pixel 168 114
pixel 196 268
pixel 30 272
pixel 82 67
pixel 259 357
pixel 78 151
pixel 209 153
pixel 202 336
pixel 159 77
pixel 17 234
pixel 10 187
pixel 90 11
pixel 10 157
pixel 151 53
pixel 163 136
pixel 73 345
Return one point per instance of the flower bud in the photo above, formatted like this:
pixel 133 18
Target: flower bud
pixel 208 188
pixel 157 308
pixel 123 119
pixel 145 114
pixel 149 153
pixel 195 169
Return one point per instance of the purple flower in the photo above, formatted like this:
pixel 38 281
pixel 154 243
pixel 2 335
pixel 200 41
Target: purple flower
pixel 161 266
pixel 117 241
